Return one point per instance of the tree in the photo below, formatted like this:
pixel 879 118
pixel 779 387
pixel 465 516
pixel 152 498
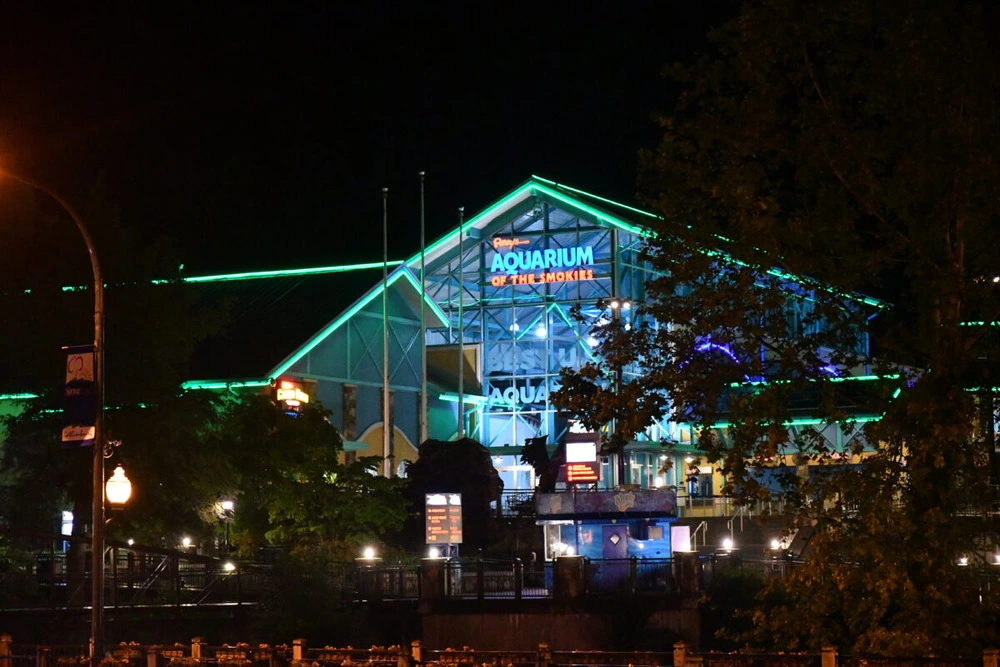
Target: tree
pixel 293 490
pixel 455 466
pixel 822 151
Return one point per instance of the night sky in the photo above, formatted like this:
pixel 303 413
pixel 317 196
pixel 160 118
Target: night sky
pixel 260 135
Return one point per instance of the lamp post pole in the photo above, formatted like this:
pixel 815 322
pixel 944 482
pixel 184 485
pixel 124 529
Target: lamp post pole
pixel 617 306
pixel 97 548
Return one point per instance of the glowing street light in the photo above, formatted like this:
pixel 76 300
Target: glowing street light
pixel 119 488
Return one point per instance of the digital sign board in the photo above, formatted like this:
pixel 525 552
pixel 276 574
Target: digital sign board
pixel 584 472
pixel 444 518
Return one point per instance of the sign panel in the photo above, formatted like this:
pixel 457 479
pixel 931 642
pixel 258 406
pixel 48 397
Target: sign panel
pixel 79 398
pixel 291 395
pixel 549 265
pixel 444 518
pixel 581 452
pixel 587 472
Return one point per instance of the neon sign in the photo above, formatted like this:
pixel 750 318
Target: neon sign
pixel 549 265
pixel 291 394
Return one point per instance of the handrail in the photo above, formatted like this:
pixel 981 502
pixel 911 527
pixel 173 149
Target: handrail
pixel 703 528
pixel 732 520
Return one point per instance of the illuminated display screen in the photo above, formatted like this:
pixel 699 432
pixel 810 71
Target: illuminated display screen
pixel 444 518
pixel 582 473
pixel 581 452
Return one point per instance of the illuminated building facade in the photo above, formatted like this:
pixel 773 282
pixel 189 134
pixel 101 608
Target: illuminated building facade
pixel 517 294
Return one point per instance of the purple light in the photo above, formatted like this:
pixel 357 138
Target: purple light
pixel 830 370
pixel 709 345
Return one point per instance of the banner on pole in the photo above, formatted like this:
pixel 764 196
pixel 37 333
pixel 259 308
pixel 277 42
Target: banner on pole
pixel 79 398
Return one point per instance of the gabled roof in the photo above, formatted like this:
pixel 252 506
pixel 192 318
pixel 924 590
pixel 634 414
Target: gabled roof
pixel 277 317
pixel 589 206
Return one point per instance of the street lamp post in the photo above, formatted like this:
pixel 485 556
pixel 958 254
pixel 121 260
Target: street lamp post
pixel 97 548
pixel 617 306
pixel 226 509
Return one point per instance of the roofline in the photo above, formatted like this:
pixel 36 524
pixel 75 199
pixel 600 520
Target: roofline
pixel 400 272
pixel 284 273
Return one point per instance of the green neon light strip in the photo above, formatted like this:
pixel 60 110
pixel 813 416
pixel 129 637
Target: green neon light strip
pixel 867 300
pixel 17 397
pixel 805 421
pixel 466 398
pixel 223 384
pixel 597 213
pixel 597 197
pixel 530 188
pixel 857 378
pixel 404 272
pixel 980 323
pixel 253 275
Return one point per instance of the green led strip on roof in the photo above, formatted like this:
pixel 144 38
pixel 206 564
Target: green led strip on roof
pixel 854 378
pixel 867 300
pixel 223 384
pixel 532 186
pixel 804 421
pixel 253 275
pixel 17 397
pixel 466 398
pixel 403 272
pixel 597 197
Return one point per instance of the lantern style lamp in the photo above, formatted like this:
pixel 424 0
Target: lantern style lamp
pixel 118 489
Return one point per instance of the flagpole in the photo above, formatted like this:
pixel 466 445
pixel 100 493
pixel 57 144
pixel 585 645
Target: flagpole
pixel 461 325
pixel 423 317
pixel 386 426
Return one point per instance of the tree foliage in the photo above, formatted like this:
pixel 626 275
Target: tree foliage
pixel 186 454
pixel 294 491
pixel 455 466
pixel 821 151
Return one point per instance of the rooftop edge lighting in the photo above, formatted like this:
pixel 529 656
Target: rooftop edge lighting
pixel 284 273
pixel 400 272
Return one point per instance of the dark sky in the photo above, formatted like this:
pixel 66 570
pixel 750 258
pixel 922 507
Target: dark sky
pixel 260 134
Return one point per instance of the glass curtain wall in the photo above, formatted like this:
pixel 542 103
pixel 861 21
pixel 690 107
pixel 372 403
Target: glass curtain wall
pixel 526 287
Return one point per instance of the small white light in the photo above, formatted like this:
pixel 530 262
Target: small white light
pixel 996 558
pixel 541 331
pixel 592 342
pixel 433 552
pixel 498 460
pixel 185 541
pixel 515 327
pixel 996 279
pixel 227 505
pixel 727 544
pixel 229 566
pixel 963 561
pixel 369 553
pixel 131 541
pixel 569 550
pixel 775 544
pixel 614 304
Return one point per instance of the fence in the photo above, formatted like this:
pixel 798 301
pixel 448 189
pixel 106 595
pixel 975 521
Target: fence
pixel 199 652
pixel 166 581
